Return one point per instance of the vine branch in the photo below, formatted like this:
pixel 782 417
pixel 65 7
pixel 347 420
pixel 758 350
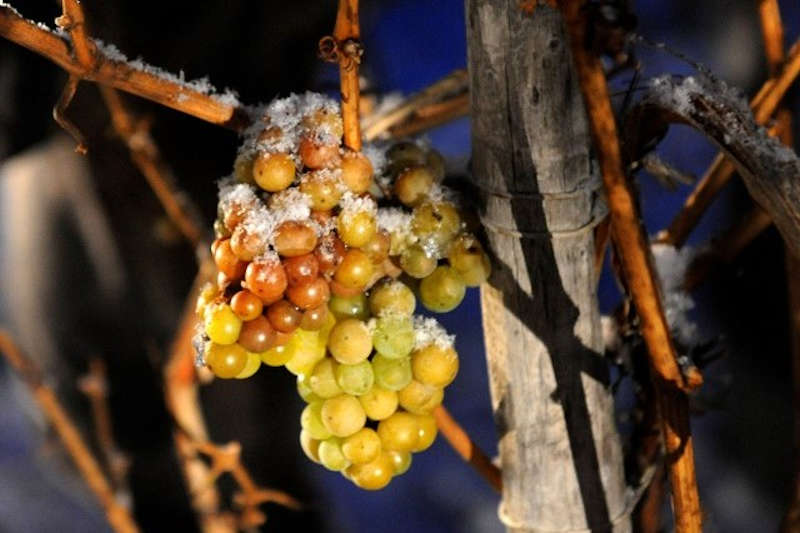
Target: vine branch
pixel 348 50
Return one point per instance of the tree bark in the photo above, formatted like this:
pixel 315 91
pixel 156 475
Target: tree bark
pixel 559 446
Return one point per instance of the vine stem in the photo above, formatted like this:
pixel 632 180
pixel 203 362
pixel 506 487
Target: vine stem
pixel 639 273
pixel 347 34
pixel 117 515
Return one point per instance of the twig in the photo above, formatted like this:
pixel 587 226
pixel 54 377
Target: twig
pixel 147 158
pixel 764 105
pixel 117 515
pixel 60 108
pixel 120 75
pixel 347 34
pixel 454 83
pixel 634 251
pixel 433 115
pixel 74 21
pixel 463 445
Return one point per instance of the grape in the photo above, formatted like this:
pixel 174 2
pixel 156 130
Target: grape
pixel 413 184
pixel 309 295
pixel 355 379
pixel 243 169
pixel 323 189
pixel 355 270
pixel 301 269
pixel 311 421
pixel 277 355
pixel 435 223
pixel 436 163
pixel 273 172
pixel 393 336
pixel 331 456
pixel 304 390
pixel 356 172
pixel 405 154
pixel 399 432
pixel 350 341
pixel 207 295
pixel 284 316
pixel 377 249
pixel 251 366
pixel 379 403
pixel 323 380
pixel 416 262
pixel 257 335
pixel 227 262
pixel 314 318
pixel 324 122
pixel 443 290
pixel 222 325
pixel 318 155
pixel 294 238
pixel 362 446
pixel 392 374
pixel 419 398
pixel 266 279
pixel 343 415
pixel 245 244
pixel 467 257
pixel 401 461
pixel 373 475
pixel 225 360
pixel 310 445
pixel 308 348
pixel 220 231
pixel 329 253
pixel 246 305
pixel 434 365
pixel 356 228
pixel 392 297
pixel 427 432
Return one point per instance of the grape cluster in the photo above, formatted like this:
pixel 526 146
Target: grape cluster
pixel 315 277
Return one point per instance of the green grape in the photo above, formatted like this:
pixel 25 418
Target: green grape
pixel 311 421
pixel 323 379
pixel 356 229
pixel 343 415
pixel 401 461
pixel 467 257
pixel 427 432
pixel 251 367
pixel 413 185
pixel 379 403
pixel 436 223
pixel 393 336
pixel 416 262
pixel 392 374
pixel 304 390
pixel 373 475
pixel 350 341
pixel 225 360
pixel 355 379
pixel 362 446
pixel 419 398
pixel 354 307
pixel 331 456
pixel 310 445
pixel 399 432
pixel 308 348
pixel 436 163
pixel 392 297
pixel 222 325
pixel 443 290
pixel 434 365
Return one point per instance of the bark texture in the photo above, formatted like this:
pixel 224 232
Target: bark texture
pixel 560 451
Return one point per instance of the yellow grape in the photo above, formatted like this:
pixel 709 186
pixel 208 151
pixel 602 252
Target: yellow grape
pixel 310 445
pixel 323 379
pixel 331 456
pixel 401 461
pixel 434 365
pixel 427 432
pixel 392 297
pixel 308 347
pixel 277 355
pixel 343 415
pixel 362 446
pixel 373 475
pixel 443 290
pixel 350 341
pixel 399 432
pixel 419 398
pixel 251 367
pixel 222 325
pixel 304 390
pixel 225 360
pixel 311 421
pixel 379 403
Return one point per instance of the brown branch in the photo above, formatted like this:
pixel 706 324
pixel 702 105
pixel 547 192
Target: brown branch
pixel 463 445
pixel 719 173
pixel 433 115
pixel 636 261
pixel 117 515
pixel 347 34
pixel 74 21
pixel 107 71
pixel 59 114
pixel 147 158
pixel 453 84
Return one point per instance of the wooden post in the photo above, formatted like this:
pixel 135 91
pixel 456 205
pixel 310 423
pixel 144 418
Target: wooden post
pixel 559 447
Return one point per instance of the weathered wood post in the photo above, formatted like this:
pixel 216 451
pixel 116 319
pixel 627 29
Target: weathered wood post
pixel 560 451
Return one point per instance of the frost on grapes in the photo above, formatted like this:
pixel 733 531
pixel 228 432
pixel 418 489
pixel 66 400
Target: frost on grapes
pixel 671 265
pixel 428 331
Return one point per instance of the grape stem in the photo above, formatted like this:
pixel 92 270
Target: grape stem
pixel 348 52
pixel 463 445
pixel 118 516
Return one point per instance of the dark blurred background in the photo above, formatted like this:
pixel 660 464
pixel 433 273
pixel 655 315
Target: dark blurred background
pixel 91 267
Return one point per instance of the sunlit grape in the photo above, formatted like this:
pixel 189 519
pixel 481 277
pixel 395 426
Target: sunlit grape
pixel 225 360
pixel 362 446
pixel 343 415
pixel 308 348
pixel 374 475
pixel 379 403
pixel 427 432
pixel 222 325
pixel 350 341
pixel 401 461
pixel 419 398
pixel 399 432
pixel 442 290
pixel 251 367
pixel 356 229
pixel 277 355
pixel 434 365
pixel 273 172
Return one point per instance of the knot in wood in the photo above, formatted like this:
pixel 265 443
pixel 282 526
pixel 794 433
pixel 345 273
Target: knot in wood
pixel 347 52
